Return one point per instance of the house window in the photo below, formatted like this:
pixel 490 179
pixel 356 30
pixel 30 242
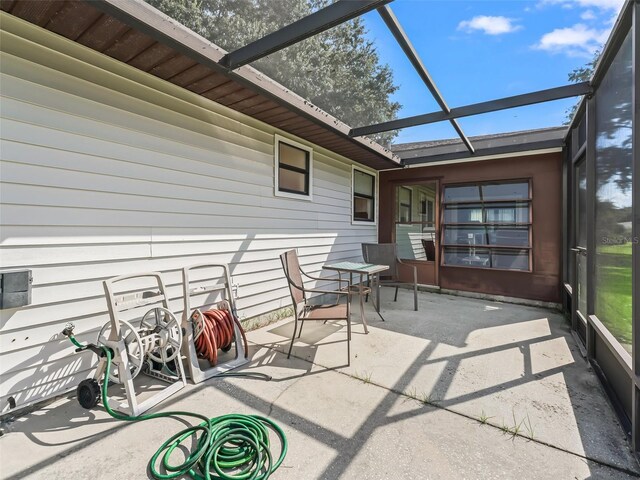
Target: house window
pixel 487 225
pixel 426 209
pixel 404 204
pixel 364 196
pixel 293 169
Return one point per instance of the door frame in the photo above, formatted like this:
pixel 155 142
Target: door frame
pixel 579 319
pixel 436 181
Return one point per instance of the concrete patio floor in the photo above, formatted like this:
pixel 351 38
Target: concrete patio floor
pixel 464 388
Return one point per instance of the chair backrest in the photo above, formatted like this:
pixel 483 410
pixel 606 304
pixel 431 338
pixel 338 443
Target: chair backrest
pixel 382 254
pixel 429 249
pixel 291 268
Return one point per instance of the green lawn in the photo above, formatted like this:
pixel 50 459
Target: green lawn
pixel 624 249
pixel 613 291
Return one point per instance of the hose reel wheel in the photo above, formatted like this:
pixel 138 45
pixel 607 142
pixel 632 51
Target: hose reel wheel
pixel 133 345
pixel 162 335
pixel 88 393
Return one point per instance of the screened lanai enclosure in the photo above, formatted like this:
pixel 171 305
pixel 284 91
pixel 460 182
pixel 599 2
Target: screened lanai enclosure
pixel 131 141
pixel 600 215
pixel 601 218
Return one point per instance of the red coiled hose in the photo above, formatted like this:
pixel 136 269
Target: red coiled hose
pixel 217 333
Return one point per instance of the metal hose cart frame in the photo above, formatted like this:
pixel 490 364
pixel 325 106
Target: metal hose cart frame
pixel 163 341
pixel 190 317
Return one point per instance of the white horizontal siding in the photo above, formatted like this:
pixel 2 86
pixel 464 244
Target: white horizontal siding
pixel 107 171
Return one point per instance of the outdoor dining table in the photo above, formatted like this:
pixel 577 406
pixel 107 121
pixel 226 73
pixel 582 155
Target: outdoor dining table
pixel 355 268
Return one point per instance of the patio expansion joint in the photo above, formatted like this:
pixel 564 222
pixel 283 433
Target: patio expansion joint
pixel 275 400
pixel 512 434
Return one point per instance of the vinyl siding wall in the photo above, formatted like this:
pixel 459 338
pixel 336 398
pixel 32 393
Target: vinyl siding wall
pixel 108 171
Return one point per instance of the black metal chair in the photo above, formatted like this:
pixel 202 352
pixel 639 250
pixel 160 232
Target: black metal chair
pixel 387 254
pixel 429 247
pixel 318 307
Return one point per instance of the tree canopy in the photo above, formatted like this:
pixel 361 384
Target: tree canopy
pixel 584 73
pixel 338 70
pixel 581 74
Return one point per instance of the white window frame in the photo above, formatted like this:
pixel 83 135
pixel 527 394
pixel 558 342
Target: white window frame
pixel 410 203
pixel 433 209
pixel 355 221
pixel 276 166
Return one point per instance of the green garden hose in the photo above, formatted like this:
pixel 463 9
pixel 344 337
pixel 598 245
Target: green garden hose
pixel 230 447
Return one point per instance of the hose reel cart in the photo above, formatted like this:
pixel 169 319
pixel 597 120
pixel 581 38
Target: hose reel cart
pixel 227 447
pixel 213 325
pixel 149 343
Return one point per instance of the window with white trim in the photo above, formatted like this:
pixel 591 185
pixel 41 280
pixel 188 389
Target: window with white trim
pixel 364 196
pixel 294 163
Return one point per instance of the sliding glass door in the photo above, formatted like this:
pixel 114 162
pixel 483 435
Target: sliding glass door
pixel 416 228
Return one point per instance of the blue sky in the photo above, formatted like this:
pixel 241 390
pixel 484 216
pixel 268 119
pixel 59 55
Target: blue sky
pixel 482 50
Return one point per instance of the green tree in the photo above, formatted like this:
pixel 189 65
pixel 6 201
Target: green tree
pixel 581 74
pixel 584 73
pixel 338 70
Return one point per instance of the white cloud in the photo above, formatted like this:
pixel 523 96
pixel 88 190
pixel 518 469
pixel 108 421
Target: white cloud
pixel 489 25
pixel 600 4
pixel 578 40
pixel 588 15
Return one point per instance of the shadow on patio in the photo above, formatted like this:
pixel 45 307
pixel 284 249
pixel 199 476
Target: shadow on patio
pixel 464 360
pixel 514 367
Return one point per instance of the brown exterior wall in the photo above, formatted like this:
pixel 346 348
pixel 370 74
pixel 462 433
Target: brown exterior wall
pixel 543 282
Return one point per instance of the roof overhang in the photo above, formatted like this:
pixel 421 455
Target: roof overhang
pixel 135 33
pixel 487 147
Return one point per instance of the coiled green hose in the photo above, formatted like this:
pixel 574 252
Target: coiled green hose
pixel 230 447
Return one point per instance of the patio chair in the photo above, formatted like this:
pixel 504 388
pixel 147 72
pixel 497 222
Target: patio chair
pixel 319 307
pixel 387 254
